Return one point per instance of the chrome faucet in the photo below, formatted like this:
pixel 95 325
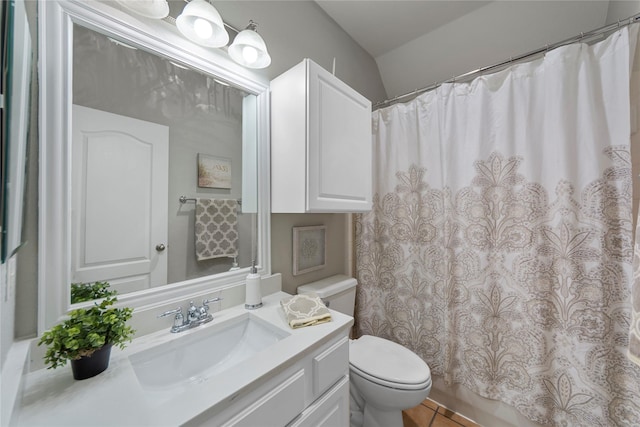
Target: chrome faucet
pixel 196 316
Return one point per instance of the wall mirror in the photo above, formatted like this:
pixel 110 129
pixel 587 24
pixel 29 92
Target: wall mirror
pixel 14 116
pixel 139 129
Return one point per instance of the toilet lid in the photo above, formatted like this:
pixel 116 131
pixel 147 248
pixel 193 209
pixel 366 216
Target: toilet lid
pixel 387 361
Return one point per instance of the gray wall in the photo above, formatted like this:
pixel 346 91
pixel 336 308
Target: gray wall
pixel 618 10
pixel 195 137
pixel 294 30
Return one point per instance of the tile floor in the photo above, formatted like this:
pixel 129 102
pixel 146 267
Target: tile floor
pixel 431 414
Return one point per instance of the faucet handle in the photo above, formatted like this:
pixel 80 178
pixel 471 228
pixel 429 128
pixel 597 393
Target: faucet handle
pixel 214 299
pixel 178 321
pixel 204 310
pixel 177 311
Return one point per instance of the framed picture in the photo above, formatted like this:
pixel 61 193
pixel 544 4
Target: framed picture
pixel 214 172
pixel 309 249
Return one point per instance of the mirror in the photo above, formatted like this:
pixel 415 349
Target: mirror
pixel 14 116
pixel 135 227
pixel 149 125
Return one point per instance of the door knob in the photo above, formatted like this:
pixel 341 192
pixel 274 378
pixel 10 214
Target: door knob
pixel 160 247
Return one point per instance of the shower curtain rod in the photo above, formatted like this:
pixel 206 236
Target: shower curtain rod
pixel 582 36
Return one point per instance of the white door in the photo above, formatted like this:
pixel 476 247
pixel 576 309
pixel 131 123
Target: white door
pixel 119 202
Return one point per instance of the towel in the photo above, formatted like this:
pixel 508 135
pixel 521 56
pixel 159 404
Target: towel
pixel 305 310
pixel 216 228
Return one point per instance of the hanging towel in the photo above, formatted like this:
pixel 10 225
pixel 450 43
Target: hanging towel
pixel 305 310
pixel 216 228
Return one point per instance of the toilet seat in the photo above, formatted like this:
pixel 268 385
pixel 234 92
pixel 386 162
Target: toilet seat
pixel 388 364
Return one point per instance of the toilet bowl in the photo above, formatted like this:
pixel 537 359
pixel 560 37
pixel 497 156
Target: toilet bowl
pixel 385 378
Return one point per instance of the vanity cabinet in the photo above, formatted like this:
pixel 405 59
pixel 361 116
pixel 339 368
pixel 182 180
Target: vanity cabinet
pixel 321 143
pixel 300 380
pixel 313 391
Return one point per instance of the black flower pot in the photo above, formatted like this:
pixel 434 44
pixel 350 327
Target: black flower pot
pixel 90 366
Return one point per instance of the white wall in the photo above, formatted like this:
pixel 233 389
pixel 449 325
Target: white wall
pixel 484 37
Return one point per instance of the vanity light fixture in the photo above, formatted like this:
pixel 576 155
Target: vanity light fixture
pixel 201 23
pixel 154 9
pixel 248 48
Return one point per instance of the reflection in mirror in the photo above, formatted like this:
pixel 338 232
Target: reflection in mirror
pixel 163 178
pixel 95 195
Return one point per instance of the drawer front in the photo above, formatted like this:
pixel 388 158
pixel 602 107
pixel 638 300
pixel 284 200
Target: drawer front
pixel 331 410
pixel 330 365
pixel 277 407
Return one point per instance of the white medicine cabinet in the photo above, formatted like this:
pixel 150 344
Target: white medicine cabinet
pixel 321 143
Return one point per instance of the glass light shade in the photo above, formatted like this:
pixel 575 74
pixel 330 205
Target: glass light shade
pixel 156 9
pixel 248 49
pixel 201 23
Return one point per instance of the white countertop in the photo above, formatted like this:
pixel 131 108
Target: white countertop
pixel 115 397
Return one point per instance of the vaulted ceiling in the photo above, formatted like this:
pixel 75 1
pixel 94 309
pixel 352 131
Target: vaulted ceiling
pixel 419 42
pixel 381 26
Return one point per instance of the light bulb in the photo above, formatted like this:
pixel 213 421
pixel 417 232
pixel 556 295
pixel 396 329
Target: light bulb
pixel 202 28
pixel 250 54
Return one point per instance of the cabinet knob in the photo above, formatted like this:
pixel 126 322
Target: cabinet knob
pixel 160 247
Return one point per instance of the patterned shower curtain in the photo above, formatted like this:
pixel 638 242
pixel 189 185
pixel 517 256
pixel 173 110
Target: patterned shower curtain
pixel 500 246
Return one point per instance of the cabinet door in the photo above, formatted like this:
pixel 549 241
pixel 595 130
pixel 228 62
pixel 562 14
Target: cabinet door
pixel 339 174
pixel 331 410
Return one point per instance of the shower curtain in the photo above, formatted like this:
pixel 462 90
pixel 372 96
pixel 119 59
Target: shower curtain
pixel 499 247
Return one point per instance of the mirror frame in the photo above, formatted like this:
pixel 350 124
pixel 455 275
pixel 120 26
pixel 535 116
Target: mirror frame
pixel 55 34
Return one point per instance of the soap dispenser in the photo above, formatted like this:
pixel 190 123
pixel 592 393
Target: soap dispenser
pixel 253 298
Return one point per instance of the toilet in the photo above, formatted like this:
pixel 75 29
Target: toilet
pixel 385 377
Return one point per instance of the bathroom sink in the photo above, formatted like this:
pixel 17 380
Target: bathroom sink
pixel 203 353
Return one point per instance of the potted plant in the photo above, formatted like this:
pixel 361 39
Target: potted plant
pixel 86 338
pixel 81 292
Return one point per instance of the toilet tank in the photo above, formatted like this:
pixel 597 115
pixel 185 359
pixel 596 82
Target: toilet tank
pixel 338 292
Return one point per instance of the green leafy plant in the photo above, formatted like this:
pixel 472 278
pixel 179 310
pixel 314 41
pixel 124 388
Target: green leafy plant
pixel 87 330
pixel 81 292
